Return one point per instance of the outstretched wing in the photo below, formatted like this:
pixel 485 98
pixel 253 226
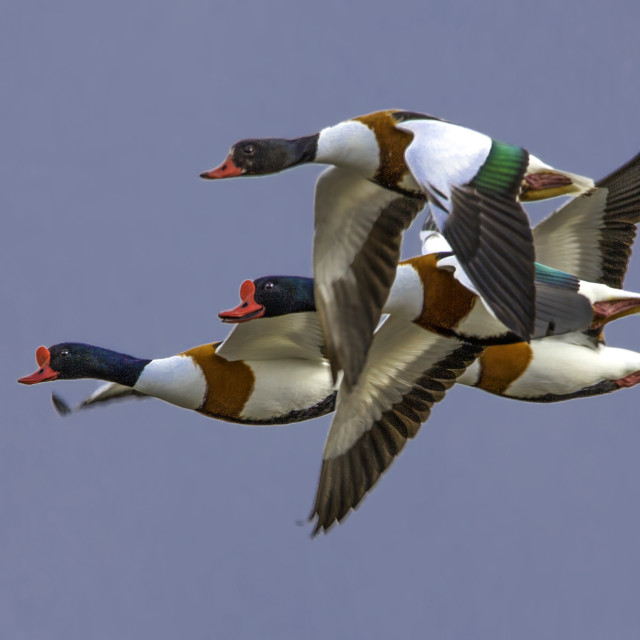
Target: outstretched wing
pixel 358 233
pixel 472 183
pixel 591 235
pixel 408 370
pixel 293 335
pixel 559 307
pixel 104 394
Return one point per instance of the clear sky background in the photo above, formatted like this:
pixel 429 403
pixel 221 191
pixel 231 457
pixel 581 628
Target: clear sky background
pixel 502 520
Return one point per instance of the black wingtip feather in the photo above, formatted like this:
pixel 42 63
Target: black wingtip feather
pixel 60 405
pixel 353 309
pixel 492 239
pixel 364 463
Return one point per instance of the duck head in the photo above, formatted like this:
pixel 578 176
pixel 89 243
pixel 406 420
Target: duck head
pixel 74 360
pixel 263 156
pixel 271 296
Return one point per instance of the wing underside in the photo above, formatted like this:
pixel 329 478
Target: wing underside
pixel 408 370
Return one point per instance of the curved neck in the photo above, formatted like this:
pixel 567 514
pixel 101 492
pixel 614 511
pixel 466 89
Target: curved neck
pixel 287 152
pixel 305 149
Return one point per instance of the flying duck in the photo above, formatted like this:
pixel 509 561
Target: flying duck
pixel 435 331
pixel 273 371
pixel 266 372
pixel 387 165
pixel 429 295
pixel 590 236
pixel 574 365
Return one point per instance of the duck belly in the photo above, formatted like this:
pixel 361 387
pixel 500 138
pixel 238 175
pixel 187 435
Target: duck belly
pixel 562 368
pixel 292 386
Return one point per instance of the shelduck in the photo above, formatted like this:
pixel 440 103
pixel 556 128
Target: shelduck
pixel 590 236
pixel 435 331
pixel 266 372
pixel 430 296
pixel 550 369
pixel 387 165
pixel 398 385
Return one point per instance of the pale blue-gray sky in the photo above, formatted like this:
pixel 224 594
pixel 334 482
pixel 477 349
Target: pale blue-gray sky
pixel 502 520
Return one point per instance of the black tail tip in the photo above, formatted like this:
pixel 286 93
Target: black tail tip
pixel 60 405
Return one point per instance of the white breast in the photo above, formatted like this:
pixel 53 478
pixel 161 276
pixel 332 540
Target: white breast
pixel 349 144
pixel 406 298
pixel 178 380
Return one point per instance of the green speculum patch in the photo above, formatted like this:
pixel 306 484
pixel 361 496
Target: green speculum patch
pixel 503 169
pixel 555 277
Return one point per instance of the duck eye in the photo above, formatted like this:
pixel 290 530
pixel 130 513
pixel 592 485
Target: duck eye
pixel 268 285
pixel 64 352
pixel 249 149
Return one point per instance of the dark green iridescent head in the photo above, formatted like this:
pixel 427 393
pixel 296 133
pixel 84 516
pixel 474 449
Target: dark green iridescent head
pixel 272 296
